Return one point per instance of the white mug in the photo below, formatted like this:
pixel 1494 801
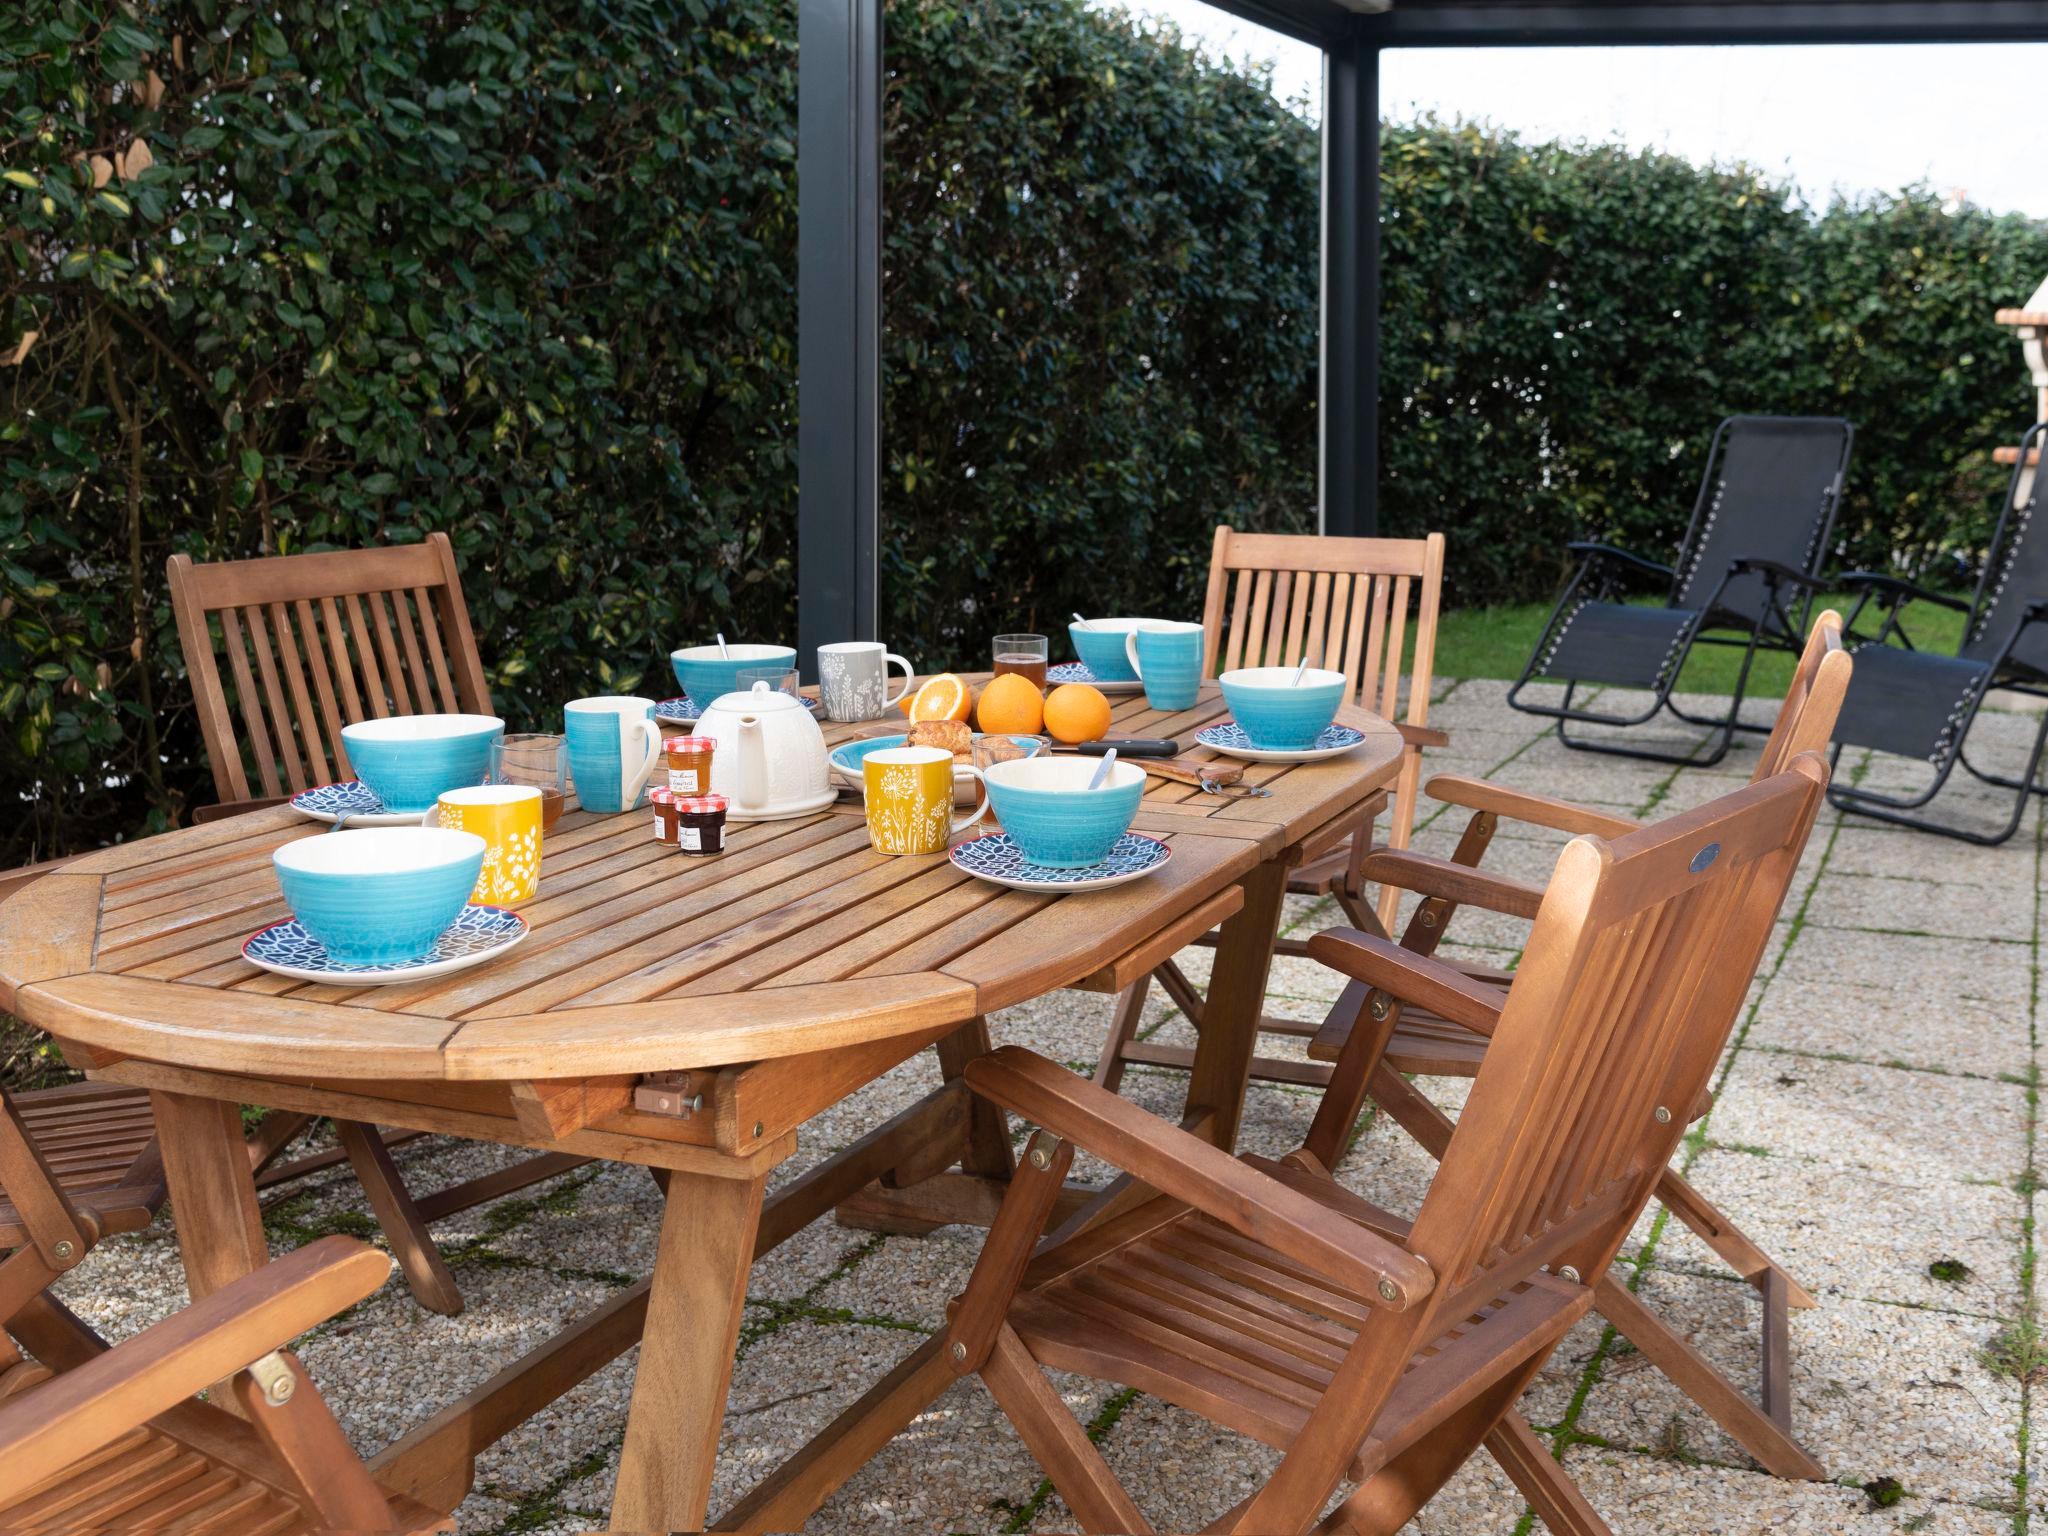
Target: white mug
pixel 614 744
pixel 853 679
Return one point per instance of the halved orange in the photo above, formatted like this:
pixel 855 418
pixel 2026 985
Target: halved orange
pixel 944 697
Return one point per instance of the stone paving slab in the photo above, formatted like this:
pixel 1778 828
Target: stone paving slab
pixel 1873 1127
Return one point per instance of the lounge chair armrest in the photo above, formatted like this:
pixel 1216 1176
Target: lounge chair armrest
pixel 1381 963
pixel 1898 589
pixel 1593 550
pixel 1422 735
pixel 90 1406
pixel 1522 805
pixel 1191 1170
pixel 1446 879
pixel 1776 569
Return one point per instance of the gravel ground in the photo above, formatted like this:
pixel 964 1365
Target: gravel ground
pixel 1874 1127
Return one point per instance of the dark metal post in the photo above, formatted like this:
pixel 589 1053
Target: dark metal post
pixel 838 302
pixel 1349 403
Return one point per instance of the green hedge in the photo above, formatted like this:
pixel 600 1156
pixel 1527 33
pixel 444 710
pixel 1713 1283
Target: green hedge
pixel 526 273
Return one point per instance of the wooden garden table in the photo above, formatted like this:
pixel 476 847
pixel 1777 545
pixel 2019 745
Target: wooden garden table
pixel 764 985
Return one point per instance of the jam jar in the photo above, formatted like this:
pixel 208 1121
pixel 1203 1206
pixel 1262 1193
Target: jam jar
pixel 700 823
pixel 665 815
pixel 688 760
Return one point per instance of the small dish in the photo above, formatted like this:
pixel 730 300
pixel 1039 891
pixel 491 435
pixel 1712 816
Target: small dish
pixel 847 757
pixel 1076 672
pixel 355 800
pixel 477 934
pixel 1229 739
pixel 997 858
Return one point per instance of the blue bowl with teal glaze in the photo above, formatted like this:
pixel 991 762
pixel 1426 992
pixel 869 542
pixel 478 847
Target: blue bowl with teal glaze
pixel 381 895
pixel 1277 715
pixel 705 672
pixel 1099 644
pixel 408 760
pixel 1051 814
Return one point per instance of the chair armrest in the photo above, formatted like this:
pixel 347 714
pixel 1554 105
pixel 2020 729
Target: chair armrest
pixel 1188 1169
pixel 1427 875
pixel 1777 569
pixel 1421 735
pixel 1381 963
pixel 1893 586
pixel 203 815
pixel 1523 805
pixel 80 1410
pixel 1592 550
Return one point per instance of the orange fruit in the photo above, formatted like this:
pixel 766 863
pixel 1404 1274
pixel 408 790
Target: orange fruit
pixel 1075 712
pixel 1011 705
pixel 944 697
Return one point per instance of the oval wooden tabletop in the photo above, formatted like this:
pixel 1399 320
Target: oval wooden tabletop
pixel 797 938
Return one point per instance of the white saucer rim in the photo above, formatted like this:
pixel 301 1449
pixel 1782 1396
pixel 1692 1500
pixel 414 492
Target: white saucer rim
pixel 389 976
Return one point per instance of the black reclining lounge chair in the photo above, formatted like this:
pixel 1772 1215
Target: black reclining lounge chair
pixel 1748 563
pixel 1917 704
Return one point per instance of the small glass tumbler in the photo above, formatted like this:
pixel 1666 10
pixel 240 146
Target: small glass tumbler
pixel 1024 655
pixel 542 761
pixel 781 679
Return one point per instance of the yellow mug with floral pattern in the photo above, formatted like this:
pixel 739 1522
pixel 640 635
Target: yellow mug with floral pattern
pixel 507 817
pixel 910 799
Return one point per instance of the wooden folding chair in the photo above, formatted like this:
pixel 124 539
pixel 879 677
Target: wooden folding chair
pixel 1344 603
pixel 309 644
pixel 1428 1043
pixel 95 1439
pixel 1268 1299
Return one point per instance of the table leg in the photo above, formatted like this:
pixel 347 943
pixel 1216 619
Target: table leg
pixel 693 1321
pixel 1237 996
pixel 213 1190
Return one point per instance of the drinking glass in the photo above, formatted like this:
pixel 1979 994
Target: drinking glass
pixel 781 679
pixel 1023 654
pixel 542 761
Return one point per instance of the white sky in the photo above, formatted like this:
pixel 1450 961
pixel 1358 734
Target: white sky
pixel 1854 118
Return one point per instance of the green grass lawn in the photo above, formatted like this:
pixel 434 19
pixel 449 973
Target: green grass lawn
pixel 1496 642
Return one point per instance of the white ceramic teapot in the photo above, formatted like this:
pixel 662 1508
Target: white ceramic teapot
pixel 770 759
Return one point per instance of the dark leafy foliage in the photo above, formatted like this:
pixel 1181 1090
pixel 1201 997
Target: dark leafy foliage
pixel 525 273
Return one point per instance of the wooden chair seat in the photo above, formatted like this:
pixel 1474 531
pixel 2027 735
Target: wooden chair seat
pixel 161 1476
pixel 99 1141
pixel 1226 1328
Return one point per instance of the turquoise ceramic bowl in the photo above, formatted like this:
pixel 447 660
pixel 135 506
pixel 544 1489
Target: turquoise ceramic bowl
pixel 1277 716
pixel 408 760
pixel 848 756
pixel 1046 806
pixel 382 895
pixel 705 674
pixel 1100 646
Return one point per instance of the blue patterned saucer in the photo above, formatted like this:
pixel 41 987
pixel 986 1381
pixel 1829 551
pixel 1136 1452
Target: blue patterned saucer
pixel 999 859
pixel 1077 672
pixel 475 936
pixel 684 710
pixel 1229 739
pixel 355 800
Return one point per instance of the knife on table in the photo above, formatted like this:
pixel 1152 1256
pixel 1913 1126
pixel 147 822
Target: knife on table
pixel 1126 746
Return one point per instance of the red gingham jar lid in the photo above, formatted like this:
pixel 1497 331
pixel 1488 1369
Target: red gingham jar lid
pixel 684 745
pixel 701 804
pixel 661 796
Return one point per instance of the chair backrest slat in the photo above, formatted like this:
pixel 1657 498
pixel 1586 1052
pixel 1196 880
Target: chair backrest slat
pixel 1806 720
pixel 311 647
pixel 1634 974
pixel 1771 489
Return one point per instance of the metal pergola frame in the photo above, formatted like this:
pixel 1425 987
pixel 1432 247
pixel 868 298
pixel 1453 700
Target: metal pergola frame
pixel 839 238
